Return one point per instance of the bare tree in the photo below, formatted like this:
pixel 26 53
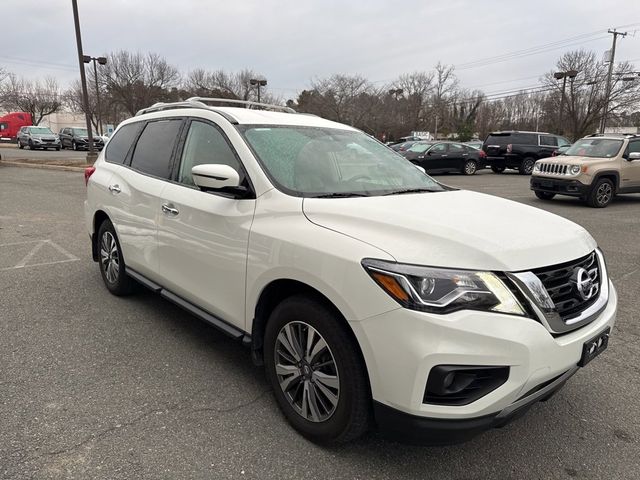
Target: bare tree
pixel 585 96
pixel 134 81
pixel 416 89
pixel 221 84
pixel 39 98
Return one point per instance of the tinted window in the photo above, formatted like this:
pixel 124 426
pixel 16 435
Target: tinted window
pixel 119 145
pixel 206 144
pixel 548 140
pixel 498 139
pixel 439 148
pixel 634 147
pixel 153 151
pixel 524 139
pixel 454 147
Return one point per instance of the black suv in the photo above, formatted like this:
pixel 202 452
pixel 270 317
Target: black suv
pixel 78 139
pixel 519 150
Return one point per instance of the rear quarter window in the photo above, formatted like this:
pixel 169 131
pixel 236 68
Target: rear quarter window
pixel 121 142
pixel 524 139
pixel 154 150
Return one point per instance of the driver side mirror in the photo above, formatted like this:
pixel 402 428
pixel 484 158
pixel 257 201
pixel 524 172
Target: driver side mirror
pixel 634 156
pixel 215 176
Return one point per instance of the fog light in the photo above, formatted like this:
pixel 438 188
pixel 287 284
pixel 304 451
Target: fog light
pixel 462 384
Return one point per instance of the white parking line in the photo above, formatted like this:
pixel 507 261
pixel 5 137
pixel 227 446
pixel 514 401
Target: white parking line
pixel 24 262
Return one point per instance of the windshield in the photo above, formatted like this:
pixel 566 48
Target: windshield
pixel 595 147
pixel 44 130
pixel 323 162
pixel 420 147
pixel 80 131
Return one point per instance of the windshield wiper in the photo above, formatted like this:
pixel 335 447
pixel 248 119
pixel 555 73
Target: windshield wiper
pixel 412 190
pixel 340 195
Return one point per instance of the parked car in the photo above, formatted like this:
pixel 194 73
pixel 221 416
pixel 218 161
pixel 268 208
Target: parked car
pixel 11 123
pixel 595 169
pixel 78 139
pixel 519 150
pixel 38 137
pixel 441 157
pixel 372 294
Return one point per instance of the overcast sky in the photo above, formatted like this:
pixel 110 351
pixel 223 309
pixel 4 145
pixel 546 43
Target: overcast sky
pixel 293 41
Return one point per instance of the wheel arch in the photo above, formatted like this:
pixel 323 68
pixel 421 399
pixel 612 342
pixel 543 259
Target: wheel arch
pixel 273 294
pixel 98 218
pixel 612 175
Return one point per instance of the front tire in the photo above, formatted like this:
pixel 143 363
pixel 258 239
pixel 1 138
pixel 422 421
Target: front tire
pixel 74 146
pixel 526 168
pixel 601 194
pixel 497 169
pixel 544 195
pixel 20 145
pixel 470 167
pixel 314 366
pixel 112 266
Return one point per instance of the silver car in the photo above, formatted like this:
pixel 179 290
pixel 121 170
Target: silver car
pixel 38 137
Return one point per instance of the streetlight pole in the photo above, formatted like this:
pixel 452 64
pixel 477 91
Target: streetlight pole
pixel 259 82
pixel 571 74
pixel 91 154
pixel 101 61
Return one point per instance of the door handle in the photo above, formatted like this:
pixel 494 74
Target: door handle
pixel 170 209
pixel 114 188
pixel 444 156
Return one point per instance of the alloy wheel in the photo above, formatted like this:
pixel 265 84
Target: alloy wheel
pixel 306 371
pixel 603 194
pixel 470 168
pixel 109 257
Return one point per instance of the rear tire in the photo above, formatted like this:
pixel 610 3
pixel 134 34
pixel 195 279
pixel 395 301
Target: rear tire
pixel 601 193
pixel 497 169
pixel 526 167
pixel 321 384
pixel 112 266
pixel 470 167
pixel 544 195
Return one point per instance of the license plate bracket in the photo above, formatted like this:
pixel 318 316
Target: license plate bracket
pixel 594 347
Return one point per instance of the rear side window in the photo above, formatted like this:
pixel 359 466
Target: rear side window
pixel 548 140
pixel 119 146
pixel 153 152
pixel 524 139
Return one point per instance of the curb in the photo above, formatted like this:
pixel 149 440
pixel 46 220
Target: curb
pixel 64 168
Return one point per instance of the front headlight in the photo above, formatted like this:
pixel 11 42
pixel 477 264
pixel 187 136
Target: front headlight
pixel 575 169
pixel 441 290
pixel 536 167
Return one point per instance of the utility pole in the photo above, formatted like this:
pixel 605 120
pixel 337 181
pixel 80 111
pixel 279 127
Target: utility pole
pixel 603 122
pixel 91 154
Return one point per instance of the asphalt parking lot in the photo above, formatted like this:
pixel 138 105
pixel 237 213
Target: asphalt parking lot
pixel 94 386
pixel 10 152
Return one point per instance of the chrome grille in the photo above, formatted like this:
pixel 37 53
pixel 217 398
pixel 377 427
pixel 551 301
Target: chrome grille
pixel 561 286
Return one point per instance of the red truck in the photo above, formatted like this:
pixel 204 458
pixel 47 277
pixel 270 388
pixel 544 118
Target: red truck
pixel 11 123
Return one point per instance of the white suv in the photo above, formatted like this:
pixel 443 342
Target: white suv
pixel 374 295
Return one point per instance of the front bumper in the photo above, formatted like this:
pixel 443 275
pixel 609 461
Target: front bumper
pixel 402 346
pixel 573 188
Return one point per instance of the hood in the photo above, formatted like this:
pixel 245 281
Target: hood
pixel 44 136
pixel 456 229
pixel 571 159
